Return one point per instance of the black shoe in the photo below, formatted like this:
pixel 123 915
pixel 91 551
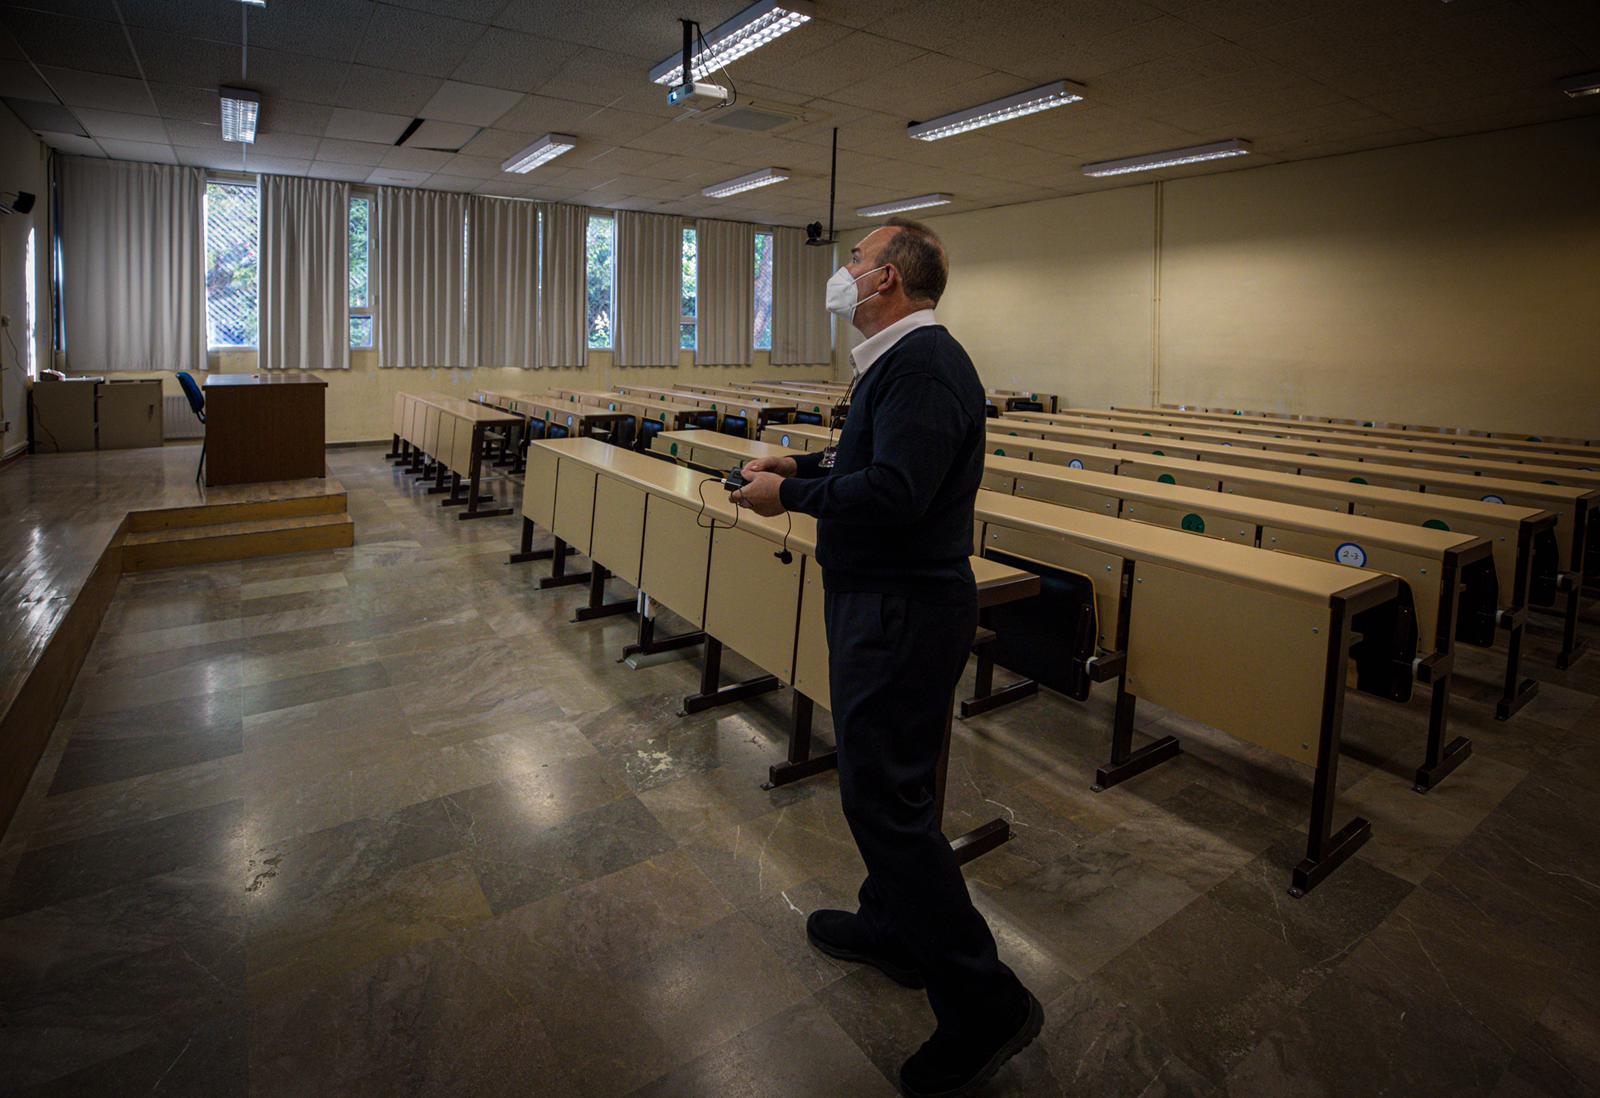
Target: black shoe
pixel 842 934
pixel 949 1067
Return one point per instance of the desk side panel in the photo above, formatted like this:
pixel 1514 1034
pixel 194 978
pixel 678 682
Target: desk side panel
pixel 539 487
pixel 1202 521
pixel 1240 659
pixel 1207 481
pixel 1103 569
pixel 811 641
pixel 459 458
pixel 618 527
pixel 677 558
pixel 574 513
pixel 753 600
pixel 1421 572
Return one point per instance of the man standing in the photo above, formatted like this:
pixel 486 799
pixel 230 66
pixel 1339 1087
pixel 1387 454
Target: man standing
pixel 894 506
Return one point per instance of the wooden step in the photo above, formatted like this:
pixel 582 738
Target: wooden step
pixel 146 550
pixel 210 514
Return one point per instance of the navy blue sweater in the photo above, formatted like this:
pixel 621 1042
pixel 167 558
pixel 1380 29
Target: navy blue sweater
pixel 894 514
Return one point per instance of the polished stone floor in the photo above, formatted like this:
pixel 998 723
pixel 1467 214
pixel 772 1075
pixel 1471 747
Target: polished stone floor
pixel 382 822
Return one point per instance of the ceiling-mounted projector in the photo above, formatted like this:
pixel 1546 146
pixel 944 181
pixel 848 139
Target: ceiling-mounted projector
pixel 697 97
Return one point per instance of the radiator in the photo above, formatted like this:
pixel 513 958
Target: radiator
pixel 178 420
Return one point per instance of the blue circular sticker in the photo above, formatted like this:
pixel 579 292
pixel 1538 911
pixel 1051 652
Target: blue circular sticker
pixel 1074 464
pixel 612 407
pixel 1494 499
pixel 569 421
pixel 1352 554
pixel 784 439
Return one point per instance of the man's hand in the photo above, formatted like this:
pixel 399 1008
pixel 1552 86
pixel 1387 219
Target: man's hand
pixel 760 493
pixel 782 466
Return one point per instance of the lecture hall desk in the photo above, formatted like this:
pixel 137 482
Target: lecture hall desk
pixel 265 426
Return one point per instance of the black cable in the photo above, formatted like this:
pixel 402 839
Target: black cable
pixel 783 554
pixel 733 88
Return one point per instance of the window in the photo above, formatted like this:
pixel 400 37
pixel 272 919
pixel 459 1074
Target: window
pixel 233 235
pixel 360 274
pixel 763 334
pixel 688 322
pixel 602 238
pixel 30 296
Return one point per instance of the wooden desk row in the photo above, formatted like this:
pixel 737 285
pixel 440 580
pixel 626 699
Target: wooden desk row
pixel 1522 539
pixel 740 580
pixel 1575 505
pixel 1360 433
pixel 732 404
pixel 1156 593
pixel 438 435
pixel 1451 575
pixel 1463 453
pixel 1467 431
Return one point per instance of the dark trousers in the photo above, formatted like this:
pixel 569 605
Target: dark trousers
pixel 893 666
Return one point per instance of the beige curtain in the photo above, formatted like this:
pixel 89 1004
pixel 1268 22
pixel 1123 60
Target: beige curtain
pixel 305 289
pixel 649 300
pixel 133 265
pixel 563 312
pixel 503 283
pixel 801 328
pixel 727 293
pixel 421 252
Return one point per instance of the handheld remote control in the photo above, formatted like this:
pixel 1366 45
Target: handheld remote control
pixel 734 480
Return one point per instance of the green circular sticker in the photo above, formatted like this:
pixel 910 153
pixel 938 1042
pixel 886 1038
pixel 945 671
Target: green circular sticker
pixel 1555 482
pixel 1194 523
pixel 1436 524
pixel 1000 453
pixel 1535 438
pixel 1358 480
pixel 1013 434
pixel 674 449
pixel 1369 423
pixel 1238 413
pixel 1146 434
pixel 1158 453
pixel 1166 478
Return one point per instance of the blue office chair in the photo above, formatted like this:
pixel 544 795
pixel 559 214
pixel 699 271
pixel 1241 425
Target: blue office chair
pixel 197 402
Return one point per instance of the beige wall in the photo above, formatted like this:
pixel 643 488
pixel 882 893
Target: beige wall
pixel 361 399
pixel 22 168
pixel 1450 282
pixel 1055 296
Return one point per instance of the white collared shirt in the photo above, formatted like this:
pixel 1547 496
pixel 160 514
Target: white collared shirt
pixel 871 349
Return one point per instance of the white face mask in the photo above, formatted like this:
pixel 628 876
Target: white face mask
pixel 842 291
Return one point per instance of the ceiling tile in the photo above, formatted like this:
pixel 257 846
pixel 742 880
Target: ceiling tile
pixel 396 178
pixel 416 160
pixel 231 159
pixel 363 153
pixel 73 144
pixel 449 136
pixel 474 167
pixel 542 114
pixel 148 151
pixel 294 145
pixel 124 127
pixel 474 11
pixel 504 58
pixel 181 102
pixel 40 117
pixel 321 28
pixel 366 126
pixel 596 76
pixel 198 135
pixel 496 144
pixel 415 41
pixel 471 103
pixel 276 165
pixel 190 18
pixel 18 80
pixel 100 91
pixel 70 43
pixel 370 89
pixel 288 116
pixel 349 173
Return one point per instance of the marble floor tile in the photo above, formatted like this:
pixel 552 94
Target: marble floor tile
pixel 384 821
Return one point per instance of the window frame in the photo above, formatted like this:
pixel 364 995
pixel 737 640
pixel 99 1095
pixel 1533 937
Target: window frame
pixel 369 310
pixel 689 320
pixel 609 217
pixel 772 295
pixel 243 183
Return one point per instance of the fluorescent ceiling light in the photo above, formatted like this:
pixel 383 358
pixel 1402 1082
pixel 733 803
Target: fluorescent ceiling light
pixel 255 3
pixel 1581 85
pixel 751 29
pixel 241 107
pixel 1194 154
pixel 761 178
pixel 900 205
pixel 542 151
pixel 1032 101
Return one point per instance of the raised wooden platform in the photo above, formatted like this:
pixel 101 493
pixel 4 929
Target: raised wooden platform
pixel 75 522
